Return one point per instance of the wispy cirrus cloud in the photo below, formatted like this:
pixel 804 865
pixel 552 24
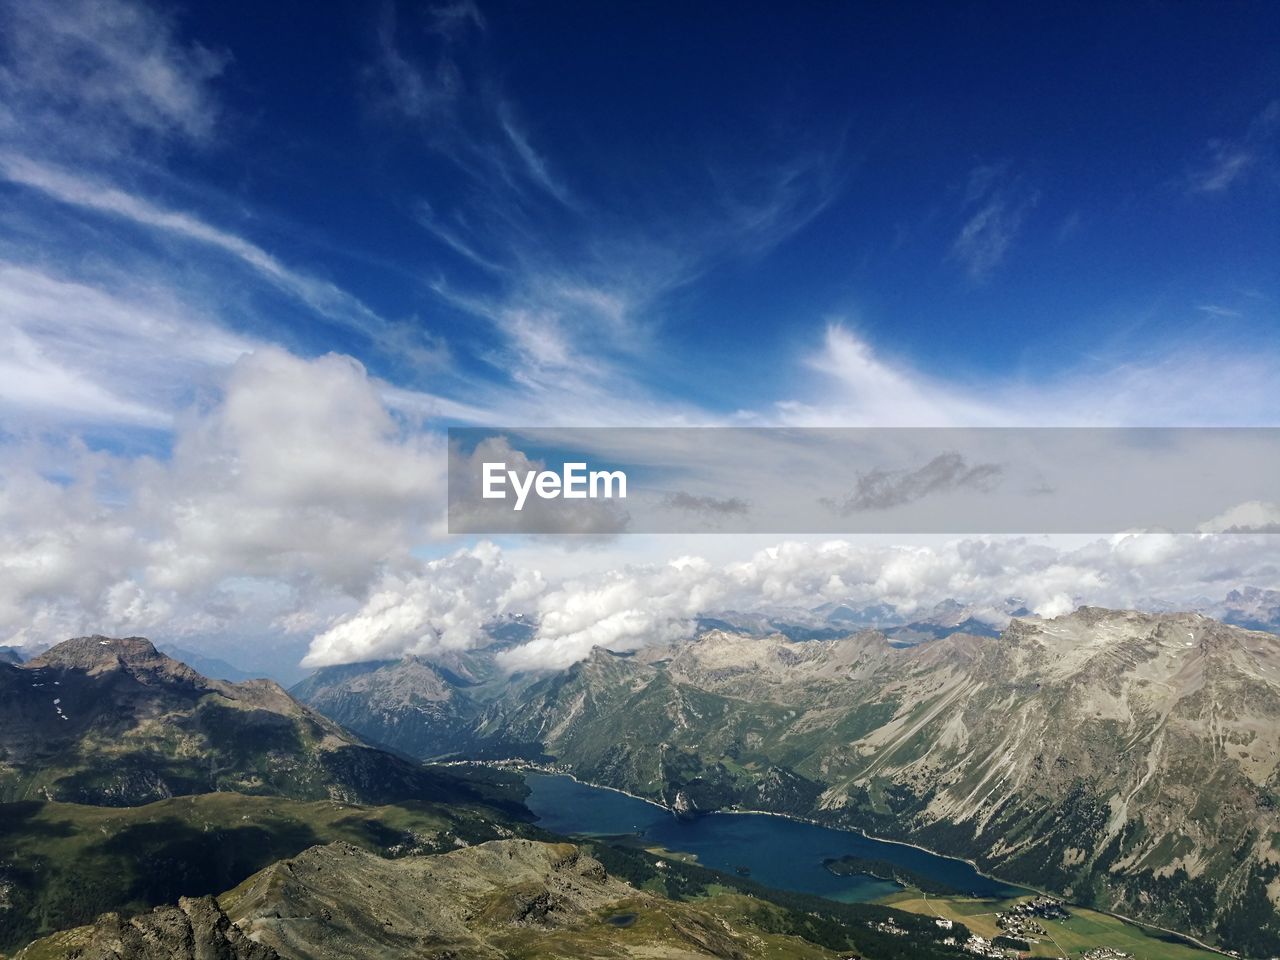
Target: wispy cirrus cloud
pixel 107 352
pixel 1229 161
pixel 399 85
pixel 77 190
pixel 96 96
pixel 1205 381
pixel 995 205
pixel 570 280
pixel 98 75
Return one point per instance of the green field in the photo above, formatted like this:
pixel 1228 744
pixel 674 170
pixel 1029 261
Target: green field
pixel 1068 938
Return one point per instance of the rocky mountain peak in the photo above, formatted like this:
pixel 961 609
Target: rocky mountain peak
pixel 98 654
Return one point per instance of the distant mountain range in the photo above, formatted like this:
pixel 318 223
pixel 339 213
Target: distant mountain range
pixel 830 621
pixel 1252 607
pixel 1127 760
pixel 213 667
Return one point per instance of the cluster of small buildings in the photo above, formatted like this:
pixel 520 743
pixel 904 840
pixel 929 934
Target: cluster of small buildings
pixel 888 926
pixel 1022 920
pixel 982 947
pixel 1106 953
pixel 1046 908
pixel 1021 925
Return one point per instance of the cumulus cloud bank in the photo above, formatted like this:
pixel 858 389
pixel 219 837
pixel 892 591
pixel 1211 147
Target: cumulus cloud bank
pixel 444 606
pixel 619 610
pixel 631 607
pixel 294 484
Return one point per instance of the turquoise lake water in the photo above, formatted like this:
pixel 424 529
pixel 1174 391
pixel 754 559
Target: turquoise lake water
pixel 777 852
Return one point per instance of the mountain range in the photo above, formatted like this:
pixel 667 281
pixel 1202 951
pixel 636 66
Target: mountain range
pixel 1125 760
pixel 109 721
pixel 151 812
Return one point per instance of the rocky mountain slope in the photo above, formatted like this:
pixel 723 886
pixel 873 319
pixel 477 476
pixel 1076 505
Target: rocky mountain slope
pixel 113 721
pixel 504 898
pixel 422 708
pixel 408 705
pixel 1127 760
pixel 831 621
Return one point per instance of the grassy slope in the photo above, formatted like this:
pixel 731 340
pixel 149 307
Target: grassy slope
pixel 658 933
pixel 65 863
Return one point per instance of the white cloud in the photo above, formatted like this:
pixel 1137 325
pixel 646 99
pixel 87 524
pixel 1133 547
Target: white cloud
pixel 320 295
pixel 296 486
pixel 1056 606
pixel 1232 160
pixel 1254 516
pixel 620 610
pixel 100 74
pixel 1190 383
pixel 94 354
pixel 444 606
pixel 996 206
pixel 636 606
pixel 300 471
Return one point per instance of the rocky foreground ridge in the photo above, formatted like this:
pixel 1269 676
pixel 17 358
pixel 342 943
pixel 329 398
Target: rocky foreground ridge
pixel 488 902
pixel 195 929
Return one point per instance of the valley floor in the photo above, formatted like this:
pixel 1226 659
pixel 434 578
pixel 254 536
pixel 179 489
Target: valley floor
pixel 1085 930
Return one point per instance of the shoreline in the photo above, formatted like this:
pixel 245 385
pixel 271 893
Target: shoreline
pixel 549 771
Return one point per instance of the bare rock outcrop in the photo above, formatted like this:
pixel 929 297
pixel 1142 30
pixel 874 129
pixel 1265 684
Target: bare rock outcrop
pixel 195 929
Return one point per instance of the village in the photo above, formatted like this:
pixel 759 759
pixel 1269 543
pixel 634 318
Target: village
pixel 1022 921
pixel 1022 926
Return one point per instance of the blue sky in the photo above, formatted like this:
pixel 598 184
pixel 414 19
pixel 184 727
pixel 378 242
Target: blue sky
pixel 521 214
pixel 983 192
